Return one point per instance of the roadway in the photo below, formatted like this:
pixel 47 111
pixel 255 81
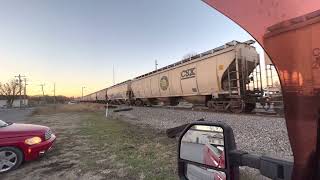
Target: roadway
pixel 15 114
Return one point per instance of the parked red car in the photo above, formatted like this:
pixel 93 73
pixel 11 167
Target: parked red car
pixel 22 142
pixel 213 156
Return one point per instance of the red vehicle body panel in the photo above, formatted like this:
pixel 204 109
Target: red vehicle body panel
pixel 15 135
pixel 291 54
pixel 213 159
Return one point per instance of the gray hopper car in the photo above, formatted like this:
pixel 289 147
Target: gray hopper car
pixel 226 78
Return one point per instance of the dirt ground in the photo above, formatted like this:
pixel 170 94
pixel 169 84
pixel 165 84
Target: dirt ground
pixel 90 146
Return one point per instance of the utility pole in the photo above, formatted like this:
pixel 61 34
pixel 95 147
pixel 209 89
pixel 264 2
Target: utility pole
pixel 54 93
pixel 42 92
pixel 20 87
pixel 25 91
pixel 113 74
pixel 82 92
pixel 42 89
pixel 156 64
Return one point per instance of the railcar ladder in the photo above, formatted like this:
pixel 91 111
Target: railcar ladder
pixel 269 75
pixel 242 85
pixel 257 77
pixel 231 86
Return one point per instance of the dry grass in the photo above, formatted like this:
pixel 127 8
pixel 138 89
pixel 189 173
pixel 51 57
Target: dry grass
pixel 65 108
pixel 143 153
pixel 90 146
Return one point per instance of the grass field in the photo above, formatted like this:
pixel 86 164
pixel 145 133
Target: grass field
pixel 90 146
pixel 145 154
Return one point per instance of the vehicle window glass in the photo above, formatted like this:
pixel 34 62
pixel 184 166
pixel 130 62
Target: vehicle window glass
pixel 3 124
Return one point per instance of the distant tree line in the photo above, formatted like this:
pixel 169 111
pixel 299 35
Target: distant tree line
pixel 36 100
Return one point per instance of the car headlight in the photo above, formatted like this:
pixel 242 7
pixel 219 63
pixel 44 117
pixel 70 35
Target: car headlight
pixel 33 140
pixel 47 134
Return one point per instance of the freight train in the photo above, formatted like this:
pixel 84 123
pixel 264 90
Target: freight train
pixel 226 78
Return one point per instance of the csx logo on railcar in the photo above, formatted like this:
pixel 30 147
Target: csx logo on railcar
pixel 188 73
pixel 164 83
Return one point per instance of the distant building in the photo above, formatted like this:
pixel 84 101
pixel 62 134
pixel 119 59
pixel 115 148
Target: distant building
pixel 16 102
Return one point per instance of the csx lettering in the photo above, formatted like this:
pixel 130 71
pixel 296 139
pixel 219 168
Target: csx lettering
pixel 316 62
pixel 188 73
pixel 316 52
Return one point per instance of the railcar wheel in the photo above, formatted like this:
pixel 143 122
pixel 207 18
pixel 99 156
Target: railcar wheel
pixel 211 106
pixel 237 106
pixel 128 103
pixel 249 107
pixel 138 102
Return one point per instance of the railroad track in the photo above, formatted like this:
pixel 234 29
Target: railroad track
pixel 199 108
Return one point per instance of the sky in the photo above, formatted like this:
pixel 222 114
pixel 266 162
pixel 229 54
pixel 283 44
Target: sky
pixel 76 43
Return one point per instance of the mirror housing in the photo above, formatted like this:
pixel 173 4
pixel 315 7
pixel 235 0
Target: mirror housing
pixel 204 152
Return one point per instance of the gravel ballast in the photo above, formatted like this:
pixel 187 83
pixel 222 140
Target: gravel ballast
pixel 260 135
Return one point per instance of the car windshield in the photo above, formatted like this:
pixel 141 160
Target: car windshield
pixel 3 124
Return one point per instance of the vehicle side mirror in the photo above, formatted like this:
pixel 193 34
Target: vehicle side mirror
pixel 203 152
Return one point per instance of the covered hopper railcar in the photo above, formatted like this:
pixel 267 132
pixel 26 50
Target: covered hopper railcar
pixel 219 78
pixel 90 98
pixel 226 78
pixel 119 93
pixel 93 97
pixel 102 96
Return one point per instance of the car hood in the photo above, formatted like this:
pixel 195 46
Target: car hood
pixel 18 130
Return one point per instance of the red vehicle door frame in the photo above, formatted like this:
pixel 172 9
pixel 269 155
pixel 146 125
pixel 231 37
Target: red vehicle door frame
pixel 302 108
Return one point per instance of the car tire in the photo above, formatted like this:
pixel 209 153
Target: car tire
pixel 16 158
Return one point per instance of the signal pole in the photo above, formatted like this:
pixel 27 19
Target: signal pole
pixel 20 87
pixel 156 64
